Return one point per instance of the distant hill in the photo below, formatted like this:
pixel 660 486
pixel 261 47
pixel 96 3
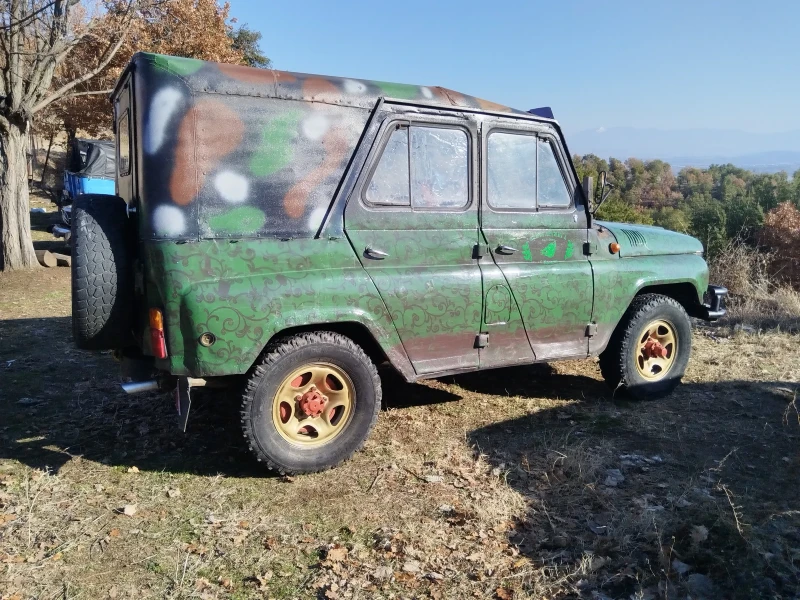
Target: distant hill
pixel 761 152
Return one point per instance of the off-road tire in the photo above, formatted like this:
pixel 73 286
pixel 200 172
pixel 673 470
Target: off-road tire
pixel 617 362
pixel 102 276
pixel 277 362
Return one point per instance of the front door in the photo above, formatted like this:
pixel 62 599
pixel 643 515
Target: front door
pixel 536 233
pixel 413 221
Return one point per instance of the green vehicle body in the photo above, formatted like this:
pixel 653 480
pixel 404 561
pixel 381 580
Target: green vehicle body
pixel 291 243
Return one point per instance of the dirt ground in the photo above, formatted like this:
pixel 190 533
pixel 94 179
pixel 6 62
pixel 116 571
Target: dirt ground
pixel 532 482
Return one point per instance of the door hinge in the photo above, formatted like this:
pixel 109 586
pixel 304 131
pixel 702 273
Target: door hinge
pixel 482 340
pixel 591 329
pixel 589 248
pixel 479 251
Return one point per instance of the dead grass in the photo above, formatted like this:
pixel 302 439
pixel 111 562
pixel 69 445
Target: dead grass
pixel 755 301
pixel 527 483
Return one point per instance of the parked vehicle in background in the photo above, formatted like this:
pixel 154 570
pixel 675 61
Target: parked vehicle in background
pixel 283 233
pixel 90 169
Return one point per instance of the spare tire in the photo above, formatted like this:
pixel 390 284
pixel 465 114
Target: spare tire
pixel 102 273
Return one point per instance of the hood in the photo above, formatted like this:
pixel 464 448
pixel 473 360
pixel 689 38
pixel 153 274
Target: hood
pixel 647 240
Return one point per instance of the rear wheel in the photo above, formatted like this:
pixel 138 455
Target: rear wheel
pixel 649 351
pixel 310 402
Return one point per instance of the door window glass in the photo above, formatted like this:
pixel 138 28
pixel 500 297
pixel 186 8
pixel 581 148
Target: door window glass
pixel 435 174
pixel 552 189
pixel 124 142
pixel 439 168
pixel 511 161
pixel 389 184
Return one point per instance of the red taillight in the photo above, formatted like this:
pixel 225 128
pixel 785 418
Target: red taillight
pixel 157 341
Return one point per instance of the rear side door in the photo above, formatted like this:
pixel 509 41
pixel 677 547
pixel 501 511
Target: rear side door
pixel 123 126
pixel 535 233
pixel 413 221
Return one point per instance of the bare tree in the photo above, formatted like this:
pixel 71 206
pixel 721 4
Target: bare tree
pixel 36 36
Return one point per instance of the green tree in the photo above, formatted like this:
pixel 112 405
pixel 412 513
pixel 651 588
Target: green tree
pixel 247 42
pixel 620 211
pixel 708 223
pixel 672 218
pixel 743 218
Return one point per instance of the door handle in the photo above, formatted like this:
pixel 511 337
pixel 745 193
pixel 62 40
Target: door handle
pixel 501 249
pixel 371 252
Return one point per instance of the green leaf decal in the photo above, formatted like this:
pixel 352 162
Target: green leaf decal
pixel 569 251
pixel 526 251
pixel 276 148
pixel 550 250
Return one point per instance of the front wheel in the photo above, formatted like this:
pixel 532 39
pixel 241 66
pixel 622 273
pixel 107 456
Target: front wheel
pixel 310 402
pixel 650 348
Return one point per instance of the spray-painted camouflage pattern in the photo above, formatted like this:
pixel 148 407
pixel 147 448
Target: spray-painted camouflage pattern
pixel 237 169
pixel 227 151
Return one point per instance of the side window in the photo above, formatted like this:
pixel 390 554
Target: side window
pixel 389 183
pixel 511 162
pixel 422 167
pixel 552 189
pixel 124 144
pixel 439 168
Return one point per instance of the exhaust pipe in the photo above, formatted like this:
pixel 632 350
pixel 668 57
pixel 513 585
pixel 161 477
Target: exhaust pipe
pixel 136 387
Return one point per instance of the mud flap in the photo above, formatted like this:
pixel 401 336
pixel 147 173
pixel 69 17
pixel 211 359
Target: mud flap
pixel 183 402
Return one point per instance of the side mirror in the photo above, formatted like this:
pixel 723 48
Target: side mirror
pixel 605 190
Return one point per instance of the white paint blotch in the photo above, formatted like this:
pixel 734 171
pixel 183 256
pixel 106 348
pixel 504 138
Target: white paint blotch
pixel 164 104
pixel 351 86
pixel 233 187
pixel 426 92
pixel 168 221
pixel 315 126
pixel 315 218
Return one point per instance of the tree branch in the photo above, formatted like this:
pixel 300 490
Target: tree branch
pixel 92 93
pixel 109 55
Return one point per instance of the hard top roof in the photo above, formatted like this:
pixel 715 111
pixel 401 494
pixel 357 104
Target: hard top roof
pixel 209 77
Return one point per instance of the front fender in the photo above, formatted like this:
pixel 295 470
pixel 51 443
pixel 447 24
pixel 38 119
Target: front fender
pixel 617 281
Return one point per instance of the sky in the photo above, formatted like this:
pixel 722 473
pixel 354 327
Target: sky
pixel 669 64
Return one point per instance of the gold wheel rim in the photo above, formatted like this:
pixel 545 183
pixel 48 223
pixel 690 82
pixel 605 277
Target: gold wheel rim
pixel 316 388
pixel 652 362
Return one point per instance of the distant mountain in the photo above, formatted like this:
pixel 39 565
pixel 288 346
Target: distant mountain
pixel 764 152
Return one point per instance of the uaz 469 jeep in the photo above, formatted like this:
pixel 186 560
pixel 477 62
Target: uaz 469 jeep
pixel 289 232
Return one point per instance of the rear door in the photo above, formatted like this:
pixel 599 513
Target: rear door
pixel 536 233
pixel 413 221
pixel 123 126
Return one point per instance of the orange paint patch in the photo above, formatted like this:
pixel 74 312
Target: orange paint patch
pixel 316 88
pixel 487 105
pixel 208 132
pixel 257 76
pixel 294 203
pixel 451 96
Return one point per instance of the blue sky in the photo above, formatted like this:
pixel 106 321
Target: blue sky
pixel 671 64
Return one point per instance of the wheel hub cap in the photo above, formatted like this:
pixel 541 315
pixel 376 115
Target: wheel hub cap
pixel 312 403
pixel 657 349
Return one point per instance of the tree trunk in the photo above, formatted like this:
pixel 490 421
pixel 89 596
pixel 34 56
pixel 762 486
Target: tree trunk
pixel 16 245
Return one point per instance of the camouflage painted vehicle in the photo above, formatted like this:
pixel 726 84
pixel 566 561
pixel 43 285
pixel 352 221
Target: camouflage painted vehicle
pixel 286 233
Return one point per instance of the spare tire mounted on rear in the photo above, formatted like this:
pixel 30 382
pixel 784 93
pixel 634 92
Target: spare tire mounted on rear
pixel 102 277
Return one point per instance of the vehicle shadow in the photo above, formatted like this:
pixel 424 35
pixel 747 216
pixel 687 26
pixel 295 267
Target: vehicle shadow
pixel 59 403
pixel 617 491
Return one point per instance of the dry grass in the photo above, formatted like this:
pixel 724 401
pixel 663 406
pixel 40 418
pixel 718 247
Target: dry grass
pixel 526 506
pixel 755 299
